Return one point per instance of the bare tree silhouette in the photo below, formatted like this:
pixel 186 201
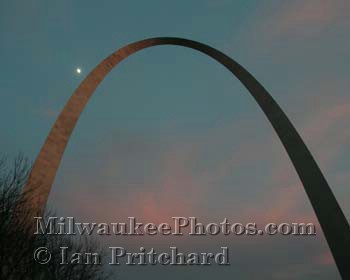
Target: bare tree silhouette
pixel 18 241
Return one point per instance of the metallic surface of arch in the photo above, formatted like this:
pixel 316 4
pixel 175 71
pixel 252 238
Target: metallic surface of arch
pixel 330 216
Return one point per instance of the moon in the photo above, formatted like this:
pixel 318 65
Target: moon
pixel 78 71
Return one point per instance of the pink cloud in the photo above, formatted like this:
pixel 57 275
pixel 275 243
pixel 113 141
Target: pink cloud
pixel 299 16
pixel 286 20
pixel 325 259
pixel 327 131
pixel 176 194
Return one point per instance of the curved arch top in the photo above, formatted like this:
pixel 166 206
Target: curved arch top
pixel 328 212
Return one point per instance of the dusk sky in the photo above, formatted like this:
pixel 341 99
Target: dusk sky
pixel 170 132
